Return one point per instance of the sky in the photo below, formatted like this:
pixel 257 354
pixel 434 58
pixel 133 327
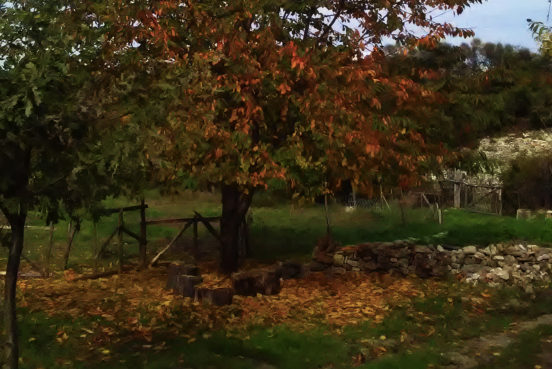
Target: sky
pixel 502 21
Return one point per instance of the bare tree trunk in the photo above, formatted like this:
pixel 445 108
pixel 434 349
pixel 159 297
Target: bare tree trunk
pixel 235 204
pixel 11 346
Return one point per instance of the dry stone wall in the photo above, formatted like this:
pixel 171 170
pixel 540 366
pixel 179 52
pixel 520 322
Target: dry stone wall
pixel 512 263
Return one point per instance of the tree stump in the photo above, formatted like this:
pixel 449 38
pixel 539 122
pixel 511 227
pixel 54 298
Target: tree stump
pixel 185 285
pixel 215 296
pixel 182 279
pixel 174 270
pixel 263 281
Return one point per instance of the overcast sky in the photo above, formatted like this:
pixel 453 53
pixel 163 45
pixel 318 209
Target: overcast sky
pixel 502 21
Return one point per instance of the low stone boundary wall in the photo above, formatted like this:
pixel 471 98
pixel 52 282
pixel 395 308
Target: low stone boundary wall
pixel 513 263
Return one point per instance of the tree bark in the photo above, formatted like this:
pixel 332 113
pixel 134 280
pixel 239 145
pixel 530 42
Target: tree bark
pixel 11 345
pixel 235 204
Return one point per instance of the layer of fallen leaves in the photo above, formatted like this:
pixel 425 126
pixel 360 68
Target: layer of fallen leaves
pixel 136 305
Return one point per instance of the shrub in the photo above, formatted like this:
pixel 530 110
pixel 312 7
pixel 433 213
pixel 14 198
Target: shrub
pixel 528 183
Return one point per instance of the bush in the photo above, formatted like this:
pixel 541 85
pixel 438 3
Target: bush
pixel 528 183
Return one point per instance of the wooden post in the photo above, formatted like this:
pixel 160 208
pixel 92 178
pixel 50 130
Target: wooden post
pixel 354 196
pixel 457 195
pixel 71 237
pixel 96 246
pixel 143 235
pixel 195 245
pixel 49 251
pixel 500 201
pixel 326 208
pixel 120 240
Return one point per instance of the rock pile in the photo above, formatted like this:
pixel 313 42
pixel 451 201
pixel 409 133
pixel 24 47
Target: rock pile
pixel 515 264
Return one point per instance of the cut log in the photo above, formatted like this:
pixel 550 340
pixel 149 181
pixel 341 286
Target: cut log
pixel 185 285
pixel 215 296
pixel 263 281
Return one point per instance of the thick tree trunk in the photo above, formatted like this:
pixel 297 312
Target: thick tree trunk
pixel 235 204
pixel 11 346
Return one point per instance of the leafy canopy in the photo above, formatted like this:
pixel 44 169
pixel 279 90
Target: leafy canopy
pixel 251 92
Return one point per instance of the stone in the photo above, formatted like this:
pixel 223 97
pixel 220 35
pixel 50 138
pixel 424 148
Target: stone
pixel 514 250
pixel 493 250
pixel 471 268
pixel 440 248
pixel 543 257
pixel 502 274
pixel 469 250
pixel 479 255
pixel 509 259
pixel 338 259
pixel 422 249
pixel 470 259
pixel 353 262
pixel 498 257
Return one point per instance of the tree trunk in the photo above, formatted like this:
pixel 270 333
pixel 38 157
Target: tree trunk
pixel 11 346
pixel 235 204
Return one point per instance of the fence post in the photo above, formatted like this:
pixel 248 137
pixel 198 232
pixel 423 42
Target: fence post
pixel 457 195
pixel 143 235
pixel 49 251
pixel 195 245
pixel 500 201
pixel 120 239
pixel 71 236
pixel 96 246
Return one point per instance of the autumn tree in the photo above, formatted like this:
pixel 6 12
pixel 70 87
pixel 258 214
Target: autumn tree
pixel 52 126
pixel 251 92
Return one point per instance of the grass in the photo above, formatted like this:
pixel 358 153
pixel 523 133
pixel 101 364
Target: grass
pixel 286 231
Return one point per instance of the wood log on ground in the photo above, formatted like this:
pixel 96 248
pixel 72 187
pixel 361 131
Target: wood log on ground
pixel 215 296
pixel 252 282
